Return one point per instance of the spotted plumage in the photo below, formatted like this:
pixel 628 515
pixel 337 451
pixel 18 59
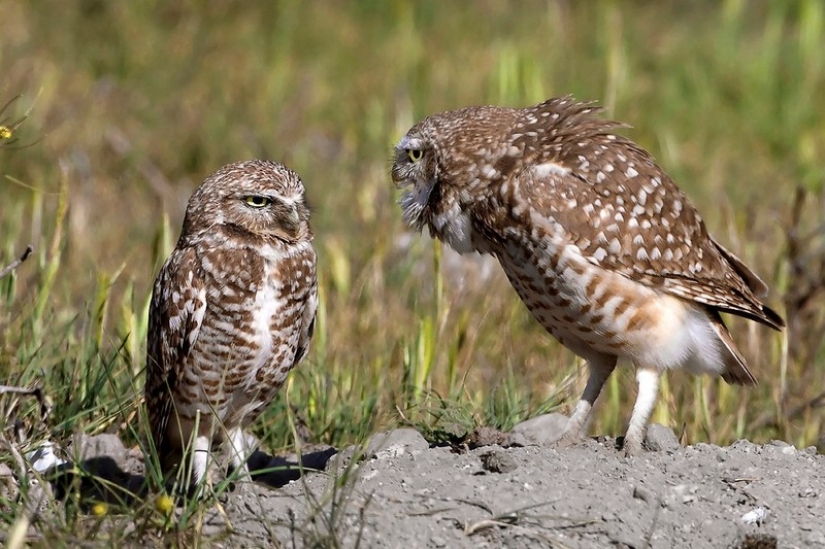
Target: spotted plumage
pixel 232 313
pixel 605 250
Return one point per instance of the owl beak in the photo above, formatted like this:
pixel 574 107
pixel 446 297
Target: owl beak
pixel 292 221
pixel 399 180
pixel 293 218
pixel 288 225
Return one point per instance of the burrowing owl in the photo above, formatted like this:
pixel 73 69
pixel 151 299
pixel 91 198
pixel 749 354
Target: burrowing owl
pixel 232 312
pixel 600 244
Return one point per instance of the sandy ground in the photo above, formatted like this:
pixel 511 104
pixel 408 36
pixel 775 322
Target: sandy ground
pixel 399 492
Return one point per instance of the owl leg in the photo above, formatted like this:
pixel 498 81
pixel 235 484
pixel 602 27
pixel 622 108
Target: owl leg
pixel 648 380
pixel 200 460
pixel 600 366
pixel 237 442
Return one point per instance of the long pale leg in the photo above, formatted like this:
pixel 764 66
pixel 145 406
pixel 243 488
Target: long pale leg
pixel 600 366
pixel 200 461
pixel 648 381
pixel 240 453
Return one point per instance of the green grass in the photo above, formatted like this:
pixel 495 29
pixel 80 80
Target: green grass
pixel 131 104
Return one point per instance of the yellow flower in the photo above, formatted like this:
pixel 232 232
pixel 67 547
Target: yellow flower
pixel 100 509
pixel 5 132
pixel 164 504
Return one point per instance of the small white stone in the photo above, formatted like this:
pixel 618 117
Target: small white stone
pixel 757 516
pixel 44 458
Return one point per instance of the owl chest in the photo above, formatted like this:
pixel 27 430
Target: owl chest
pixel 547 290
pixel 243 341
pixel 579 304
pixel 268 305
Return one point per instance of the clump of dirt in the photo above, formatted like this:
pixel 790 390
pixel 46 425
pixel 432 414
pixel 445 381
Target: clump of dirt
pixel 398 491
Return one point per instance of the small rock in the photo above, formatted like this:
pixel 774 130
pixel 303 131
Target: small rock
pixel 487 436
pixel 808 493
pixel 758 541
pixel 396 443
pixel 541 430
pixel 518 439
pixel 661 439
pixel 757 516
pixel 343 458
pixel 815 539
pixel 104 445
pixel 744 446
pixel 642 493
pixel 497 461
pixel 44 457
pixel 90 449
pixel 684 493
pixel 623 539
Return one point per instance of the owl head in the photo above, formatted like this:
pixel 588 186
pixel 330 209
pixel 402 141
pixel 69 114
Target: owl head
pixel 446 163
pixel 256 198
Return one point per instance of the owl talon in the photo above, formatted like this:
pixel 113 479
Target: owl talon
pixel 632 448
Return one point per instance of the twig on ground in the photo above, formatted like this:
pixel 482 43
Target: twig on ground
pixel 649 535
pixel 15 453
pixel 511 519
pixel 483 524
pixel 479 504
pixel 16 263
pixel 733 484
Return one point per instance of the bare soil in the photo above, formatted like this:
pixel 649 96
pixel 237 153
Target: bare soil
pixel 400 492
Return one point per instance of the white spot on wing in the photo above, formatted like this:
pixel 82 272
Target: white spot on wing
pixel 549 169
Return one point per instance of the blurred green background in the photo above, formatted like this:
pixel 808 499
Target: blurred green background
pixel 131 104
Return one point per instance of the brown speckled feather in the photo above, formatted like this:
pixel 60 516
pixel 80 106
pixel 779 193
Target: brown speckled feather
pixel 232 311
pixel 603 248
pixel 174 325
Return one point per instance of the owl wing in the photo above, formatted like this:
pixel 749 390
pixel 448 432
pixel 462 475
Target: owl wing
pixel 175 316
pixel 310 310
pixel 642 226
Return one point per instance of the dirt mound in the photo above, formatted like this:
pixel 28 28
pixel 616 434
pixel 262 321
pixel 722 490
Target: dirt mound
pixel 399 492
pixel 588 496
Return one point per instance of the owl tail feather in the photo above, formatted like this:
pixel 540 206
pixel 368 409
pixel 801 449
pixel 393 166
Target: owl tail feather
pixel 736 372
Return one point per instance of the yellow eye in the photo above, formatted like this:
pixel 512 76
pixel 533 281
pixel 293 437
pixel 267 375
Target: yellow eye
pixel 258 201
pixel 415 154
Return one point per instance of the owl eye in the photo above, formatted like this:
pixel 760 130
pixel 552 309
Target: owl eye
pixel 258 201
pixel 415 154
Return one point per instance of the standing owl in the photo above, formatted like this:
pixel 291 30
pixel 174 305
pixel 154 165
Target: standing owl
pixel 605 250
pixel 232 312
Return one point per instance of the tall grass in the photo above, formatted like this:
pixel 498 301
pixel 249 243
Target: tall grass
pixel 131 105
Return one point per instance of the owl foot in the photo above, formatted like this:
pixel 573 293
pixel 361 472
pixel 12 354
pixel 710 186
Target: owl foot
pixel 568 440
pixel 632 447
